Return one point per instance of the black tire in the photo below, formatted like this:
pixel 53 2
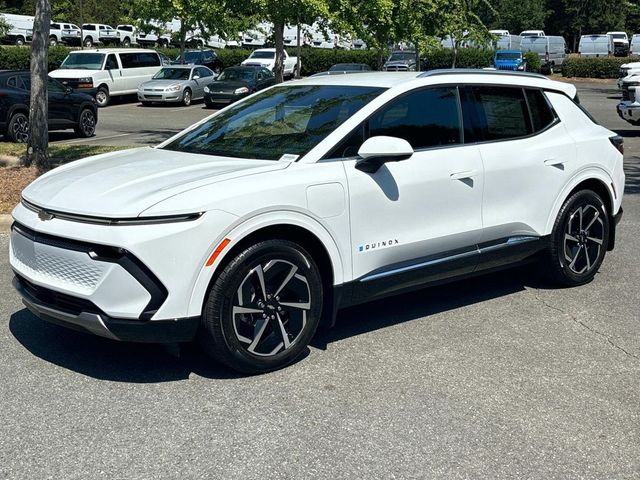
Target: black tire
pixel 53 41
pixel 102 96
pixel 208 104
pixel 88 42
pixel 147 104
pixel 86 123
pixel 579 239
pixel 18 128
pixel 186 97
pixel 20 41
pixel 126 42
pixel 269 320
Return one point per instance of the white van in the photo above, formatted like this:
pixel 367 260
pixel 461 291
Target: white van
pixel 21 30
pixel 505 41
pixel 108 72
pixel 552 50
pixel 634 47
pixel 532 33
pixel 596 45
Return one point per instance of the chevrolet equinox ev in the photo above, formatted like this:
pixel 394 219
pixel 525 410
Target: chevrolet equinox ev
pixel 251 228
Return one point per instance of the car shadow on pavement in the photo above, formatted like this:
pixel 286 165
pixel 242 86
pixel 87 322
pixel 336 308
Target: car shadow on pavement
pixel 429 301
pixel 632 174
pixel 105 359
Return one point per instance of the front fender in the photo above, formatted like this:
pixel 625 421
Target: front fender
pixel 244 227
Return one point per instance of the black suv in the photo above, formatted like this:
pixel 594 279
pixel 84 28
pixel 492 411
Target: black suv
pixel 206 57
pixel 67 109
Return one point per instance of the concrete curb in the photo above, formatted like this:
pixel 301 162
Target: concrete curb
pixel 5 223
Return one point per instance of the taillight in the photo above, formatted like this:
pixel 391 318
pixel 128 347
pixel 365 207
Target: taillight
pixel 546 57
pixel 618 142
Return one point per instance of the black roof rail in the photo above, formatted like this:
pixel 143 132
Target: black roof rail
pixel 479 71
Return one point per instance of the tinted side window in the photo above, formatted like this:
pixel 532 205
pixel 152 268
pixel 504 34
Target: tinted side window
pixel 542 114
pixel 55 26
pixel 148 60
pixel 112 63
pixel 129 60
pixel 12 82
pixel 426 118
pixel 503 112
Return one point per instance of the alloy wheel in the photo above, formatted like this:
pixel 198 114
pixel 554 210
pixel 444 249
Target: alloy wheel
pixel 186 98
pixel 88 123
pixel 583 239
pixel 20 129
pixel 270 308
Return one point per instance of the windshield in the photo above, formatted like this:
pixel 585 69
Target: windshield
pixel 262 55
pixel 191 57
pixel 402 56
pixel 345 67
pixel 283 120
pixel 619 36
pixel 173 74
pixel 508 56
pixel 86 61
pixel 236 74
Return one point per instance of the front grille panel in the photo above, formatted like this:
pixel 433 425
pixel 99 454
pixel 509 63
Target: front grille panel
pixel 56 300
pixel 626 95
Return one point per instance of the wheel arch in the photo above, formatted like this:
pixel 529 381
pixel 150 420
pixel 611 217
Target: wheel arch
pixel 302 230
pixel 596 180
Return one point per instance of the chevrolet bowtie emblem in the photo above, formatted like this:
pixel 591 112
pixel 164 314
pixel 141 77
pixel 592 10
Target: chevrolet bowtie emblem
pixel 45 216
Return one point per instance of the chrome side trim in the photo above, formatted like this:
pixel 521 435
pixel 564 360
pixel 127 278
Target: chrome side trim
pixel 511 241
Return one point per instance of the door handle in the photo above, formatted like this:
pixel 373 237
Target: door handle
pixel 463 175
pixel 554 162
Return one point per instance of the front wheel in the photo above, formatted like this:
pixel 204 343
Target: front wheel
pixel 579 239
pixel 86 124
pixel 186 98
pixel 102 97
pixel 264 308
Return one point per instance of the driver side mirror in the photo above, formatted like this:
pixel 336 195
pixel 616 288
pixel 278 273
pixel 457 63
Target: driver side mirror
pixel 377 151
pixel 196 77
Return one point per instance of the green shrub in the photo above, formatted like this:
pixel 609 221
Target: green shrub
pixel 589 67
pixel 533 61
pixel 438 58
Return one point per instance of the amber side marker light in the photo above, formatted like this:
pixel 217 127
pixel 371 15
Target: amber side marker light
pixel 221 246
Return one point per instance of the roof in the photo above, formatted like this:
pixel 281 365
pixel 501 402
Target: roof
pixel 185 66
pixel 402 80
pixel 114 50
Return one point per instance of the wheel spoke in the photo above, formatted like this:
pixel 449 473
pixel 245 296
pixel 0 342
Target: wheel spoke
pixel 570 237
pixel 238 310
pixel 299 305
pixel 283 332
pixel 287 279
pixel 595 240
pixel 593 220
pixel 256 339
pixel 575 258
pixel 586 255
pixel 580 217
pixel 260 273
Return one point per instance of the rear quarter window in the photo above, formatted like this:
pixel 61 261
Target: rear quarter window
pixel 501 111
pixel 542 114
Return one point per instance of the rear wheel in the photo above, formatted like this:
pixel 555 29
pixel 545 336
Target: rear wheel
pixel 20 41
pixel 126 42
pixel 264 308
pixel 88 42
pixel 579 239
pixel 53 41
pixel 18 129
pixel 86 123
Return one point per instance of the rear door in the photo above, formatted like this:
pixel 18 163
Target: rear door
pixel 527 155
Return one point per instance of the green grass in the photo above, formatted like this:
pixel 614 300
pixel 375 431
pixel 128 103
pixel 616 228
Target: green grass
pixel 59 152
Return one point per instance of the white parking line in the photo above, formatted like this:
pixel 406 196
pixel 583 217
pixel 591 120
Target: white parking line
pixel 91 139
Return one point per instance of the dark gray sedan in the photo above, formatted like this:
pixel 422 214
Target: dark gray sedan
pixel 176 84
pixel 235 83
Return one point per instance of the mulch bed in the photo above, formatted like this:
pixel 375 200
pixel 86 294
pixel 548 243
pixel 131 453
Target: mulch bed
pixel 12 181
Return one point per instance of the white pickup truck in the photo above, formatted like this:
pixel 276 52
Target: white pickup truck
pixel 266 57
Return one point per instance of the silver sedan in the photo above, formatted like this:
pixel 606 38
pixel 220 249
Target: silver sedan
pixel 176 84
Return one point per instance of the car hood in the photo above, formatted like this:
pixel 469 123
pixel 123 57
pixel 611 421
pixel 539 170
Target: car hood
pixel 400 63
pixel 124 184
pixel 72 73
pixel 162 83
pixel 224 85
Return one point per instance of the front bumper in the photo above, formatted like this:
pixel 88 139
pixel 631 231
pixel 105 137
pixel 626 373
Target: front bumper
pixel 61 310
pixel 219 99
pixel 629 112
pixel 161 97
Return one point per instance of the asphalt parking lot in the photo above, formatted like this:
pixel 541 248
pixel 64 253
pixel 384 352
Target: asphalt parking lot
pixel 503 376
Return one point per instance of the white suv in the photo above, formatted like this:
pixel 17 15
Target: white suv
pixel 250 228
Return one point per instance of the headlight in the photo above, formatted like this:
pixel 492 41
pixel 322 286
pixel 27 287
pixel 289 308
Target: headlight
pixel 206 90
pixel 520 67
pixel 85 82
pixel 173 88
pixel 241 90
pixel 632 84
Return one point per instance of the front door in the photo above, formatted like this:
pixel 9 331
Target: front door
pixel 418 219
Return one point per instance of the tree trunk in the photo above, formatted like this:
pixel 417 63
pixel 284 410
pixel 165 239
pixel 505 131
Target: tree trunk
pixel 455 52
pixel 183 40
pixel 278 69
pixel 298 53
pixel 38 144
